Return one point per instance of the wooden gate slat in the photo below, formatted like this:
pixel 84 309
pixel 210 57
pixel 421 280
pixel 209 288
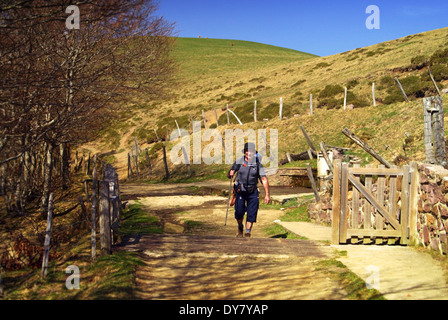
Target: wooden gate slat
pixel 381 170
pixel 379 220
pixel 368 206
pixel 394 222
pixel 373 233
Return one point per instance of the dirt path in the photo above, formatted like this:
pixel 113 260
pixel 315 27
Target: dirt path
pixel 192 203
pixel 209 262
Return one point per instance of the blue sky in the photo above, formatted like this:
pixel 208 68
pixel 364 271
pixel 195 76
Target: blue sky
pixel 322 27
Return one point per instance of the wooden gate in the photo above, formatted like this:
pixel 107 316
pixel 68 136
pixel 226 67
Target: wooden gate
pixel 373 204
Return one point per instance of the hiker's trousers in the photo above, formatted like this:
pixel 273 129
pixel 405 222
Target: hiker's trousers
pixel 247 203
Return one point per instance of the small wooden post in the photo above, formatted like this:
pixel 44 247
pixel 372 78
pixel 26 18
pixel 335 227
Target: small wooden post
pixel 313 182
pixel 373 94
pixel 216 118
pixel 255 111
pixel 281 108
pixel 205 121
pixel 130 173
pixel 136 156
pixel 345 99
pixel 228 116
pixel 311 104
pixel 148 160
pixel 434 81
pixel 167 173
pixel 178 129
pixel 401 89
pixel 157 136
pixel 47 237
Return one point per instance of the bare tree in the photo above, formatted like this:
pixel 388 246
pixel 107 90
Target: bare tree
pixel 56 83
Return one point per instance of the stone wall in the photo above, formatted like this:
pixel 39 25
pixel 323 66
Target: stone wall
pixel 432 211
pixel 432 219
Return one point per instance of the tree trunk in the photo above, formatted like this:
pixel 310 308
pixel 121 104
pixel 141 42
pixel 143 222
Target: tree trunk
pixel 47 181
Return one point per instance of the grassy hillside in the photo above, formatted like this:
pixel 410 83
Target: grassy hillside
pixel 199 57
pixel 213 73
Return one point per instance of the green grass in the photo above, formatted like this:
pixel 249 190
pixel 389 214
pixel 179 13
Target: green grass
pixel 200 56
pixel 294 210
pixel 354 285
pixel 135 220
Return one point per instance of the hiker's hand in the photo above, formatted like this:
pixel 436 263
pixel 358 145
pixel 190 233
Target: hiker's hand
pixel 267 199
pixel 230 174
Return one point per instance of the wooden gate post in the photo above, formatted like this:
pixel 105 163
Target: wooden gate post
pixel 435 150
pixel 344 200
pixel 405 204
pixel 336 202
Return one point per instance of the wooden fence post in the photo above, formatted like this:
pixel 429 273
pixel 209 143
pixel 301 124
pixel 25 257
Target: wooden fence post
pixel 345 99
pixel 434 81
pixel 311 104
pixel 148 160
pixel 281 108
pixel 205 121
pixel 308 140
pixel 401 89
pixel 130 173
pixel 167 173
pixel 94 208
pixel 228 116
pixel 104 211
pixel 136 156
pixel 216 118
pixel 47 237
pixel 434 139
pixel 255 111
pixel 313 182
pixel 157 136
pixel 366 147
pixel 373 94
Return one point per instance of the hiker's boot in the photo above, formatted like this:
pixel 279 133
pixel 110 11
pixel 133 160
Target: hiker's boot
pixel 247 235
pixel 240 231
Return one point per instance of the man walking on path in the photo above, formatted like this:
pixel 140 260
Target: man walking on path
pixel 250 170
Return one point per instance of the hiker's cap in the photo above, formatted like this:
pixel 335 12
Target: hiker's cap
pixel 249 146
